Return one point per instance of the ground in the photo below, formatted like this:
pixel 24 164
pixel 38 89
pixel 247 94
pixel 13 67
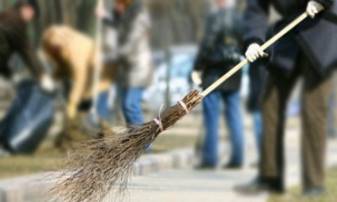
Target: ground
pixel 189 185
pixel 48 158
pixel 294 195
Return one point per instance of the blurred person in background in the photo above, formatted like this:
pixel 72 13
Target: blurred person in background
pixel 132 23
pixel 308 52
pixel 219 50
pixel 14 40
pixel 62 46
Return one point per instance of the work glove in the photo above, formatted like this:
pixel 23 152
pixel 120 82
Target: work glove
pixel 196 78
pixel 254 52
pixel 47 83
pixel 313 8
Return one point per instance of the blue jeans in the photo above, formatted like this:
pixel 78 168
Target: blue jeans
pixel 211 112
pixel 131 99
pixel 103 106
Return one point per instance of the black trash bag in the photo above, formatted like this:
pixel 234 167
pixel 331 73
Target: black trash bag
pixel 28 120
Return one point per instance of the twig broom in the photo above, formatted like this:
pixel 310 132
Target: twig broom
pixel 102 164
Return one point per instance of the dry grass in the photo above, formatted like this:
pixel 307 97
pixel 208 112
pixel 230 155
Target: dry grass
pixel 45 159
pixel 48 158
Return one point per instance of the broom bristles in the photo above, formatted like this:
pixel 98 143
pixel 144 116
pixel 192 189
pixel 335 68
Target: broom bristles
pixel 105 164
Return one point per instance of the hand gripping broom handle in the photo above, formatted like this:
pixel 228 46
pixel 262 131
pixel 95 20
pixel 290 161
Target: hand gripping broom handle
pixel 265 46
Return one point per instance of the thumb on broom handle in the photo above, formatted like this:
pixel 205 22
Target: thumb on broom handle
pixel 265 46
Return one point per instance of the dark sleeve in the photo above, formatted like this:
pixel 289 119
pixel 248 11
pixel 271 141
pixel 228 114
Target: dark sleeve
pixel 206 44
pixel 326 3
pixel 111 20
pixel 209 34
pixel 256 21
pixel 239 31
pixel 30 58
pixel 257 78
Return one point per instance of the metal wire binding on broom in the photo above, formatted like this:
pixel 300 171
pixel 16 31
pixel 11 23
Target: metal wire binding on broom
pixel 158 120
pixel 183 105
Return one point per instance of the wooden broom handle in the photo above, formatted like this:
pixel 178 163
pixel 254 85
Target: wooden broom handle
pixel 265 46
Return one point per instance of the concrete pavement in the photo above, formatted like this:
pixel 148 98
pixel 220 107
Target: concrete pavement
pixel 189 185
pixel 169 177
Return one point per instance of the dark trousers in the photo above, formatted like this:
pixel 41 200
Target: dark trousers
pixel 332 118
pixel 315 95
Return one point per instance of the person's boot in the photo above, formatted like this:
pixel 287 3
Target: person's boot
pixel 204 166
pixel 260 185
pixel 313 192
pixel 232 166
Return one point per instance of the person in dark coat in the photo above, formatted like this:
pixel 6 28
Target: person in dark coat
pixel 309 51
pixel 14 39
pixel 220 49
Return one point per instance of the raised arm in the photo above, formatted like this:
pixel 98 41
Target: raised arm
pixel 256 26
pixel 256 21
pixel 31 60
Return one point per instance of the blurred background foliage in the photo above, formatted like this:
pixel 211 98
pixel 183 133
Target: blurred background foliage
pixel 174 21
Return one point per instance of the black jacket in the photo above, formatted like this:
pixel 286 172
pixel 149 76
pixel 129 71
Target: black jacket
pixel 14 39
pixel 257 79
pixel 314 38
pixel 220 48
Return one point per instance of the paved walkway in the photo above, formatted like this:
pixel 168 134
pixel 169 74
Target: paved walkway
pixel 216 186
pixel 156 183
pixel 191 186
